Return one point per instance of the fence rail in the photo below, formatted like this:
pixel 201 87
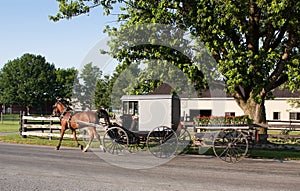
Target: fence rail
pixel 283 125
pixel 29 125
pixel 43 127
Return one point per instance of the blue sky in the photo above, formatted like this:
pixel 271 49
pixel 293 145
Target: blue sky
pixel 26 28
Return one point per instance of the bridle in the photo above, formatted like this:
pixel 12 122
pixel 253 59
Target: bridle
pixel 65 110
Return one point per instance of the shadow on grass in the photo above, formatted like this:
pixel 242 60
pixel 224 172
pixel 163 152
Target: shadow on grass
pixel 17 138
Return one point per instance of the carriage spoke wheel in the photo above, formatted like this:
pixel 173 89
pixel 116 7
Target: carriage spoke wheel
pixel 230 145
pixel 184 141
pixel 115 140
pixel 162 142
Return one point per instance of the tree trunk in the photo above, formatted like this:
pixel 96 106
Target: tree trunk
pixel 257 112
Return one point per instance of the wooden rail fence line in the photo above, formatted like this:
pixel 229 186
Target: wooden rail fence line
pixel 29 125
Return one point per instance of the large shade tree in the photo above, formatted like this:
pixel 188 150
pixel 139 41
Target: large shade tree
pixel 28 81
pixel 254 42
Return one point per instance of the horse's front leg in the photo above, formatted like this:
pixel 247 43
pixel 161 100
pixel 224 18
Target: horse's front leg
pixel 76 141
pixel 62 132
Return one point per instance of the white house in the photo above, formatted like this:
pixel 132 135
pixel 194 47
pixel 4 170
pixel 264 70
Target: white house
pixel 218 103
pixel 276 109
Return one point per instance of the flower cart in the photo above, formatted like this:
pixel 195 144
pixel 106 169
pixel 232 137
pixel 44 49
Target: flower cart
pixel 228 136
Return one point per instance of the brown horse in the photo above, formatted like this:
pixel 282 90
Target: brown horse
pixel 79 120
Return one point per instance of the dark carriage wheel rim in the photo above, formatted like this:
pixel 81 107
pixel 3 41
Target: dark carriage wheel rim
pixel 230 146
pixel 162 142
pixel 115 141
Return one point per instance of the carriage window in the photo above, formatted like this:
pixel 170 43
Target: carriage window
pixel 130 107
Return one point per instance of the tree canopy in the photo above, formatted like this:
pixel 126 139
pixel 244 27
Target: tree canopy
pixel 103 93
pixel 85 85
pixel 27 81
pixel 64 82
pixel 31 81
pixel 254 42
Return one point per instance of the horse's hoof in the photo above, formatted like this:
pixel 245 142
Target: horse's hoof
pixel 103 149
pixel 57 148
pixel 81 147
pixel 85 150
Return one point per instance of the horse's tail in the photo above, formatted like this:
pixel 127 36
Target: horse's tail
pixel 103 114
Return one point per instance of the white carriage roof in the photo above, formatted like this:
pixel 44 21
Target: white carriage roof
pixel 145 97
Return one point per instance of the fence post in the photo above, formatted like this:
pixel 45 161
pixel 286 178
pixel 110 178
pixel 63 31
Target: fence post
pixel 22 122
pixel 50 137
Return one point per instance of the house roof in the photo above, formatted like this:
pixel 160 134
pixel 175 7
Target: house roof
pixel 166 89
pixel 279 93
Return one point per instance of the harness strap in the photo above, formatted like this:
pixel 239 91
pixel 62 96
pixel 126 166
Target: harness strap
pixel 63 113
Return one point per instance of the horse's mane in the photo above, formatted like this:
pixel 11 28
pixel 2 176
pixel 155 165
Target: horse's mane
pixel 66 103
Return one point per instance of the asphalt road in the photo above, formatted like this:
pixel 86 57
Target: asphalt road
pixel 27 167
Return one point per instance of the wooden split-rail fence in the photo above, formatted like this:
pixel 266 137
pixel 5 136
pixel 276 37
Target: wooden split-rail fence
pixel 41 127
pixel 286 127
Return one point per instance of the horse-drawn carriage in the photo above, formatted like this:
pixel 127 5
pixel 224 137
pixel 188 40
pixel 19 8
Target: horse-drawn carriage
pixel 148 121
pixel 152 123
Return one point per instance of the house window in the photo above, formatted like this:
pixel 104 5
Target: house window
pixel 276 115
pixel 294 116
pixel 196 112
pixel 229 114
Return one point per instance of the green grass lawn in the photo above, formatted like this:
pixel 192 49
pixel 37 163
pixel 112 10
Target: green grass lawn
pixel 9 126
pixel 280 132
pixel 279 154
pixel 13 126
pixel 16 138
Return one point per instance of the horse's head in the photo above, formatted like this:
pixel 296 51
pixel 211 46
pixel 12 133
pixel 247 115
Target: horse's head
pixel 59 108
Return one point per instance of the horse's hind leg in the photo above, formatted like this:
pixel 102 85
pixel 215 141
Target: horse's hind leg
pixel 98 138
pixel 90 141
pixel 75 139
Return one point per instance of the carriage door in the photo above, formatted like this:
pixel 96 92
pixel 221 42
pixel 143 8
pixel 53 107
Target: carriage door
pixel 130 115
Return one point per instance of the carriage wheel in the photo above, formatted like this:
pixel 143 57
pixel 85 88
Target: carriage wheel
pixel 230 145
pixel 162 142
pixel 184 141
pixel 115 140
